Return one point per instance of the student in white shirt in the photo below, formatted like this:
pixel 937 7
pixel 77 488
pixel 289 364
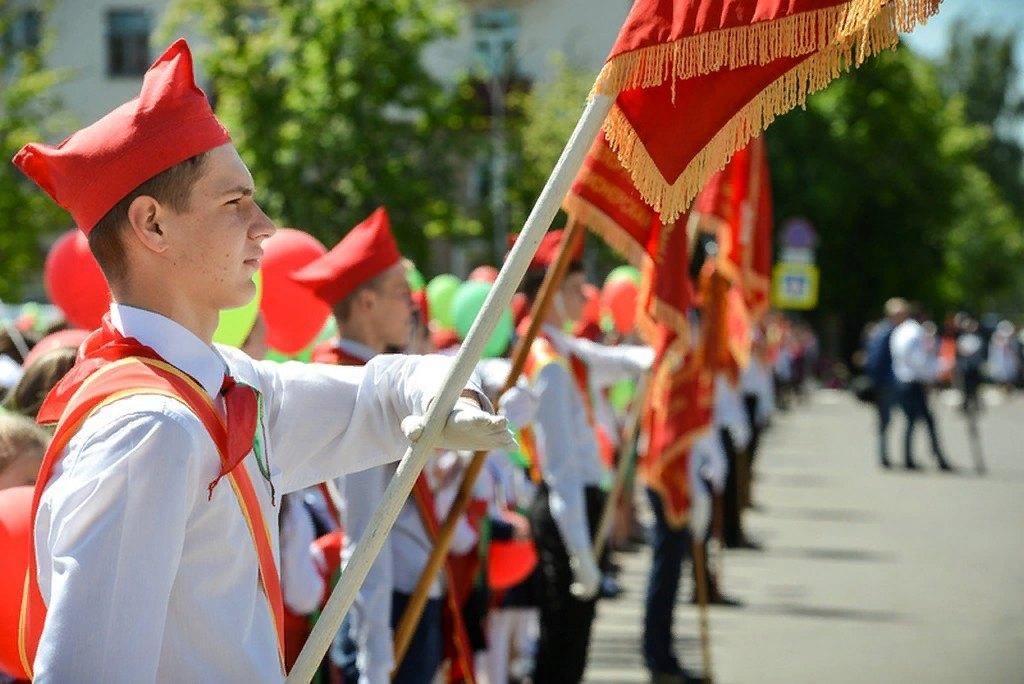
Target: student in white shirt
pixel 147 570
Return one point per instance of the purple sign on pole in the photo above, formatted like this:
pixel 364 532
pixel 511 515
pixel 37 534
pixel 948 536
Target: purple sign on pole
pixel 798 233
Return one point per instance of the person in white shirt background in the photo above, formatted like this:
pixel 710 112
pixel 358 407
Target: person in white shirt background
pixel 915 365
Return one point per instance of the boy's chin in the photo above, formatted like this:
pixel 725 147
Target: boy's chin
pixel 243 294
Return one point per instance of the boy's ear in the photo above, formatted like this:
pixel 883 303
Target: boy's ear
pixel 143 217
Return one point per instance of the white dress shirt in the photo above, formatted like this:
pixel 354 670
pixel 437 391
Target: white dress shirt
pixel 707 465
pixel 567 450
pixel 144 577
pixel 757 380
pixel 729 412
pixel 911 361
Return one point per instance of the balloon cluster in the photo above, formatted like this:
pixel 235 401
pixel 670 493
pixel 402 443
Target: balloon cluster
pixel 454 306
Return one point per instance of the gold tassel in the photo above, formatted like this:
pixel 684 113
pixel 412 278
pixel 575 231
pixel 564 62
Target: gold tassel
pixel 858 38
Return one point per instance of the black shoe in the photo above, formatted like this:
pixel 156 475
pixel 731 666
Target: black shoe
pixel 680 676
pixel 945 467
pixel 910 465
pixel 743 543
pixel 885 463
pixel 718 600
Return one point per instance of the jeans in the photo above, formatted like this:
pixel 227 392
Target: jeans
pixel 670 548
pixel 914 403
pixel 425 652
pixel 885 399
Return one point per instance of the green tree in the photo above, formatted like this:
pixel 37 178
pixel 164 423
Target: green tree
pixel 329 103
pixel 882 163
pixel 29 112
pixel 981 67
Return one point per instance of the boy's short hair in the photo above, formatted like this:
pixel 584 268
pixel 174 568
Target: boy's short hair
pixel 45 372
pixel 172 187
pixel 343 309
pixel 20 437
pixel 534 278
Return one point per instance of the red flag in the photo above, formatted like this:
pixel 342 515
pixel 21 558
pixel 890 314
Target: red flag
pixel 695 80
pixel 736 206
pixel 678 414
pixel 604 199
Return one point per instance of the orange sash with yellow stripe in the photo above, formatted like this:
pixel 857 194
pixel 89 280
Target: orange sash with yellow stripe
pixel 130 376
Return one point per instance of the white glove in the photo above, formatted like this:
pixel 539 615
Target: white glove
pixel 468 428
pixel 586 576
pixel 700 513
pixel 519 405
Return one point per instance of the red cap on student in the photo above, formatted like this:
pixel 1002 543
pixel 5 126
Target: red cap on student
pixel 98 166
pixel 548 250
pixel 368 250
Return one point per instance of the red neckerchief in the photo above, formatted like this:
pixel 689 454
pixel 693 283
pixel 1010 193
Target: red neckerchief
pixel 107 345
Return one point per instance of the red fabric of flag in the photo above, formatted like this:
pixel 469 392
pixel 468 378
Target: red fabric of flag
pixel 678 414
pixel 736 206
pixel 604 199
pixel 695 80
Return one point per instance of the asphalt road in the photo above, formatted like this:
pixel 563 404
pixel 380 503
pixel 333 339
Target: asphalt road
pixel 865 575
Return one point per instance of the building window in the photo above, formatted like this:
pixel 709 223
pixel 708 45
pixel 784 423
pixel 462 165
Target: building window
pixel 25 32
pixel 128 42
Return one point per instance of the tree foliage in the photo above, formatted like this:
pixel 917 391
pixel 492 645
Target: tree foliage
pixel 29 112
pixel 981 67
pixel 329 103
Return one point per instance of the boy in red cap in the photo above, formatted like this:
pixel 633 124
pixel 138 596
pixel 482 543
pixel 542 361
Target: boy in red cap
pixel 363 280
pixel 147 566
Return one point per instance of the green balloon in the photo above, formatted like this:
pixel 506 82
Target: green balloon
pixel 624 271
pixel 236 324
pixel 440 293
pixel 276 356
pixel 467 304
pixel 415 279
pixel 621 393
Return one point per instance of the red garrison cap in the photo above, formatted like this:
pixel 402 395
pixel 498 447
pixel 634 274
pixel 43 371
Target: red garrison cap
pixel 98 166
pixel 368 250
pixel 548 250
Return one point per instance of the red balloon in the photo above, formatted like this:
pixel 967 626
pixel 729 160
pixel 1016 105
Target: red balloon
pixel 15 531
pixel 74 281
pixel 483 274
pixel 619 298
pixel 293 314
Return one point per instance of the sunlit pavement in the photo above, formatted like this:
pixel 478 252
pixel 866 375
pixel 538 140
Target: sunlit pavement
pixel 866 575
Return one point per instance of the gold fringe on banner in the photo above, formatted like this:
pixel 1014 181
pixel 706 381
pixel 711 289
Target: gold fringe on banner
pixel 764 42
pixel 605 228
pixel 844 36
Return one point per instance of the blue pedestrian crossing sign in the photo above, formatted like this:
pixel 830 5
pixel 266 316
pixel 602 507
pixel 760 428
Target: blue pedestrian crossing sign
pixel 795 286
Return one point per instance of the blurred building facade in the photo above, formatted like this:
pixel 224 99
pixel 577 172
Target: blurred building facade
pixel 106 45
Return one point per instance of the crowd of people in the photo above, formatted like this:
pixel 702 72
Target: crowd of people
pixel 906 356
pixel 142 565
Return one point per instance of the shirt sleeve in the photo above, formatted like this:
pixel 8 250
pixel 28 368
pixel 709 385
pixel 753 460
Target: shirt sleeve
pixel 301 582
pixel 371 612
pixel 559 456
pixel 325 421
pixel 607 364
pixel 109 537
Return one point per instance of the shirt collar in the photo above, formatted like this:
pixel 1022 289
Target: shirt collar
pixel 356 349
pixel 173 342
pixel 562 342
